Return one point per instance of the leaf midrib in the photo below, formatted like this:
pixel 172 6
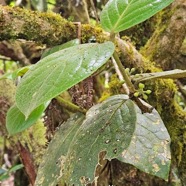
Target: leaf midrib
pixel 121 16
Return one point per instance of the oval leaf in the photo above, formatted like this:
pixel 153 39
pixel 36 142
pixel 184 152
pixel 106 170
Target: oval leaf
pixel 15 120
pixel 59 71
pixel 49 171
pixel 149 149
pixel 109 127
pixel 118 15
pixel 60 47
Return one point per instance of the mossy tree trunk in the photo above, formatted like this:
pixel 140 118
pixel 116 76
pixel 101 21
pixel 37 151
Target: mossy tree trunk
pixel 164 46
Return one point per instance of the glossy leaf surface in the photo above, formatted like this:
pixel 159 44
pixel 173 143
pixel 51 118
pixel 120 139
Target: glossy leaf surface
pixel 59 71
pixel 119 15
pixel 15 120
pixel 50 171
pixel 149 149
pixel 60 47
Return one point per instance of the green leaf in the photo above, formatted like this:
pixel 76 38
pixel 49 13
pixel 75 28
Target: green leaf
pixel 119 15
pixel 59 71
pixel 50 171
pixel 109 127
pixel 15 168
pixel 16 73
pixel 15 120
pixel 4 176
pixel 116 126
pixel 60 47
pixel 149 149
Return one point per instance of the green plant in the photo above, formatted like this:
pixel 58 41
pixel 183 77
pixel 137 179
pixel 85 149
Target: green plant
pixel 5 173
pixel 117 125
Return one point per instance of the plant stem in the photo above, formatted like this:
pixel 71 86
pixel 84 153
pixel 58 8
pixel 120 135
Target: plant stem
pixel 128 82
pixel 122 68
pixel 124 74
pixel 67 104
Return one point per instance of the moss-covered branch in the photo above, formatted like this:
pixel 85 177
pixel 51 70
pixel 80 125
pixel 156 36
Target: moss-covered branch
pixel 48 28
pixel 45 28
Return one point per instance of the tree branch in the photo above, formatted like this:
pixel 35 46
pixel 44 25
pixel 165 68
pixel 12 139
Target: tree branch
pixel 48 28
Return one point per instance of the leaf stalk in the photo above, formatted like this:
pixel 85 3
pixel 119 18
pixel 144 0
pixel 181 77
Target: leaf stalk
pixel 69 105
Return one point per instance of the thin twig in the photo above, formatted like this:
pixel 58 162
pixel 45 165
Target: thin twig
pixel 78 30
pixel 124 74
pixel 126 89
pixel 94 10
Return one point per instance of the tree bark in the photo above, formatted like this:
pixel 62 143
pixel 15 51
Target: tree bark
pixel 164 46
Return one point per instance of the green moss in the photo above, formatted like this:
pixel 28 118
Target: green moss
pixel 152 50
pixel 49 28
pixel 34 139
pixel 162 98
pixel 172 115
pixel 114 88
pixel 87 31
pixel 7 90
pixel 105 95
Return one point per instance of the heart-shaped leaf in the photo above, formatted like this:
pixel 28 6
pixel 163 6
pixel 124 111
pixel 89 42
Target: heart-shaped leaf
pixel 149 149
pixel 59 71
pixel 109 127
pixel 60 47
pixel 15 120
pixel 50 171
pixel 119 15
pixel 116 126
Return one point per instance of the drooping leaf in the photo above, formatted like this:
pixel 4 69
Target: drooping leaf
pixel 109 127
pixel 16 122
pixel 173 74
pixel 118 15
pixel 59 71
pixel 60 47
pixel 149 149
pixel 50 171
